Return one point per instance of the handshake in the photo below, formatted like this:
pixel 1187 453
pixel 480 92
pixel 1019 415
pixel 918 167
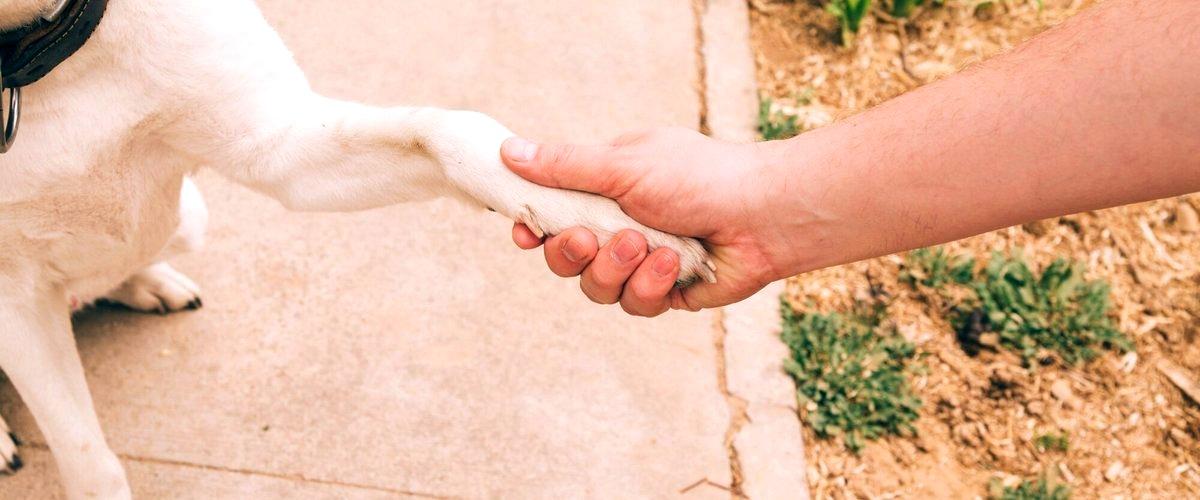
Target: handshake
pixel 674 180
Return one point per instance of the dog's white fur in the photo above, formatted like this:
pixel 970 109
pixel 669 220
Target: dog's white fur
pixel 95 195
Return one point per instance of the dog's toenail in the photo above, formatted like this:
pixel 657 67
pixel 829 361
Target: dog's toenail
pixel 16 463
pixel 16 440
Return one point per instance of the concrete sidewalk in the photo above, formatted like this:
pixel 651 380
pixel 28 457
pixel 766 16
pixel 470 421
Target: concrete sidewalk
pixel 413 350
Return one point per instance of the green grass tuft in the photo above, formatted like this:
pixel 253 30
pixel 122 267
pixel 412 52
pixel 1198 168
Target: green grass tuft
pixel 775 125
pixel 1058 310
pixel 933 268
pixel 1032 489
pixel 849 14
pixel 1052 441
pixel 902 8
pixel 851 375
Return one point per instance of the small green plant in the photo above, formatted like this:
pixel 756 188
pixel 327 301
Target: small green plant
pixel 1059 310
pixel 774 125
pixel 933 268
pixel 1031 489
pixel 902 8
pixel 851 375
pixel 1052 441
pixel 805 97
pixel 849 14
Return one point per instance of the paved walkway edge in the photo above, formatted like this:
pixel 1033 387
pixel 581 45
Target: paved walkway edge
pixel 767 447
pixel 730 92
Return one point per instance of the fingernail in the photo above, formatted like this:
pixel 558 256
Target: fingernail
pixel 664 265
pixel 624 251
pixel 573 250
pixel 521 150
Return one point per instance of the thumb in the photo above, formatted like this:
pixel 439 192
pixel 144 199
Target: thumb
pixel 566 166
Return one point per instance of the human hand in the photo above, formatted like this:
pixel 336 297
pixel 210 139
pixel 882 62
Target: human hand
pixel 674 180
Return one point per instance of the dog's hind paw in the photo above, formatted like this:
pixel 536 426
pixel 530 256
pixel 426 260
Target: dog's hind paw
pixel 157 289
pixel 10 462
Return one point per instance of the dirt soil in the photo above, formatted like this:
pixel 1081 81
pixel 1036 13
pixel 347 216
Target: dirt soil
pixel 1132 432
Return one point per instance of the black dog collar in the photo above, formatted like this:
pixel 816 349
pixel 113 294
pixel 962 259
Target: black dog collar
pixel 30 52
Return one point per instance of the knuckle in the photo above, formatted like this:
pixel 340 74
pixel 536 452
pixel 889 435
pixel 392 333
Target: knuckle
pixel 564 270
pixel 635 307
pixel 642 288
pixel 596 294
pixel 645 294
pixel 629 308
pixel 620 174
pixel 557 156
pixel 631 138
pixel 556 161
pixel 644 298
pixel 608 285
pixel 610 273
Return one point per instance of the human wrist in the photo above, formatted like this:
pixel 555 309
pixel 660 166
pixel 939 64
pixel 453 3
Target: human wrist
pixel 811 206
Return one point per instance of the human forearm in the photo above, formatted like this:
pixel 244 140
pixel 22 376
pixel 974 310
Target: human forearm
pixel 1100 112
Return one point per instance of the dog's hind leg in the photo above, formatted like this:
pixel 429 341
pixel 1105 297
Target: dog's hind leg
pixel 9 461
pixel 37 352
pixel 159 287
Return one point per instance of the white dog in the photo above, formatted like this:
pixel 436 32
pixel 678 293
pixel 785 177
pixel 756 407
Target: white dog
pixel 94 194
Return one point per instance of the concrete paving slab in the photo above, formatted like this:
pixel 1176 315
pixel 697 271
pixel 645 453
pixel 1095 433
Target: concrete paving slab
pixel 185 482
pixel 413 348
pixel 731 93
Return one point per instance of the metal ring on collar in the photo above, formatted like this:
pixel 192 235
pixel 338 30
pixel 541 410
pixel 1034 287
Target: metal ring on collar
pixel 10 122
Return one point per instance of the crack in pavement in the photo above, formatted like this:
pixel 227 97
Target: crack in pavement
pixel 699 7
pixel 250 472
pixel 737 407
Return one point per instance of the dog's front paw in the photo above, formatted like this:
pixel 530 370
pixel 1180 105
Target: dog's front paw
pixel 561 210
pixel 158 289
pixel 473 165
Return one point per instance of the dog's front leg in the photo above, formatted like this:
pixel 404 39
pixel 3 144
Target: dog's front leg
pixel 317 154
pixel 314 153
pixel 37 351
